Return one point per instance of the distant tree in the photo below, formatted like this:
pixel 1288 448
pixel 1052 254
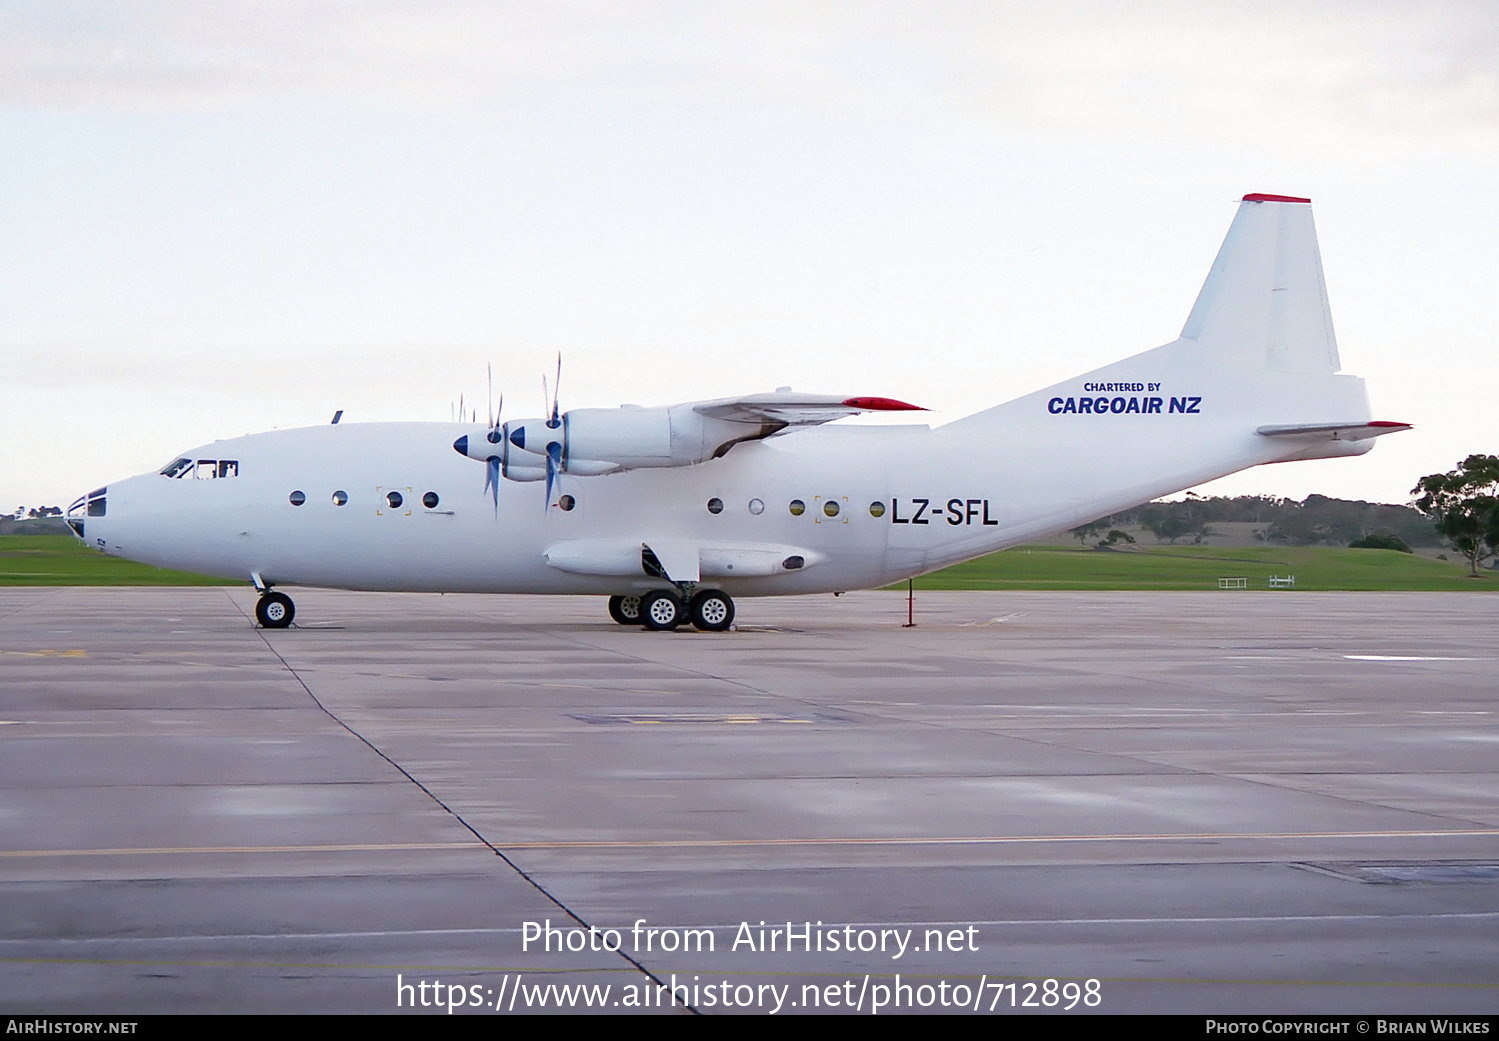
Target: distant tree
pixel 1084 532
pixel 1464 506
pixel 1167 528
pixel 1168 525
pixel 1114 537
pixel 1381 540
pixel 1318 519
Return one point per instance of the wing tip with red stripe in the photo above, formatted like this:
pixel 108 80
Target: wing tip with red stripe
pixel 874 404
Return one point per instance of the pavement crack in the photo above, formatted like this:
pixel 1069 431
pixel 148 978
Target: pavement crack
pixel 530 879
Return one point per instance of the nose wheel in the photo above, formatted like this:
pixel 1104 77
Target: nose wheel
pixel 274 610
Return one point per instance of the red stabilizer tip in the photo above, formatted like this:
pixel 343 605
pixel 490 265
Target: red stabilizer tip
pixel 1257 197
pixel 882 405
pixel 1386 423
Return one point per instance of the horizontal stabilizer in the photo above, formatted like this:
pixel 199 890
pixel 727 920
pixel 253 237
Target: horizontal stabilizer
pixel 1335 431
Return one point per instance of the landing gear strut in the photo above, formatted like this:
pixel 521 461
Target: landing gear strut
pixel 274 610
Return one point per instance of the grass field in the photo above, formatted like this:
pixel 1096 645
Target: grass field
pixel 1200 567
pixel 60 560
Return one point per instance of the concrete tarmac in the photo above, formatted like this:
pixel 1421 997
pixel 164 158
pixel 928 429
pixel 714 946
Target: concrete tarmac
pixel 1226 802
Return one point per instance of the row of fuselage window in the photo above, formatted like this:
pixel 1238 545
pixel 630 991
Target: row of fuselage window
pixel 393 500
pixel 796 507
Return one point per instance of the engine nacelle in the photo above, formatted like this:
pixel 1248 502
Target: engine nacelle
pixel 592 441
pixel 587 442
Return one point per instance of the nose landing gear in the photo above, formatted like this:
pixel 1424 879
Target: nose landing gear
pixel 274 610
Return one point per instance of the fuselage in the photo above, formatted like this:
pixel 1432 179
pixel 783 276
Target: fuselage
pixel 390 506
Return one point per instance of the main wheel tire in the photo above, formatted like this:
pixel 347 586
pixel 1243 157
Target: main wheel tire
pixel 275 610
pixel 661 610
pixel 712 611
pixel 625 609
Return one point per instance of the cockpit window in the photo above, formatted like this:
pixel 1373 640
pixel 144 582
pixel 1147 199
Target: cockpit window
pixel 90 505
pixel 203 469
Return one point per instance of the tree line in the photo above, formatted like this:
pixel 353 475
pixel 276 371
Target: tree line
pixel 1315 520
pixel 1459 508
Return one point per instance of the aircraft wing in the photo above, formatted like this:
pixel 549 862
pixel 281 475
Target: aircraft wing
pixel 597 441
pixel 789 409
pixel 1335 431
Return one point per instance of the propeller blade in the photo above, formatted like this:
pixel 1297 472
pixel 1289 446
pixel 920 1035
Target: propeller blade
pixel 492 481
pixel 494 436
pixel 554 422
pixel 554 467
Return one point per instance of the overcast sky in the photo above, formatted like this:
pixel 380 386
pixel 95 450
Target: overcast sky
pixel 222 218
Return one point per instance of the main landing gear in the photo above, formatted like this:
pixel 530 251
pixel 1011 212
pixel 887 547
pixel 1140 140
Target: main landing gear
pixel 625 609
pixel 712 611
pixel 274 610
pixel 663 609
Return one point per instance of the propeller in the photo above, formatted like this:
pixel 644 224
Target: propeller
pixel 499 438
pixel 494 436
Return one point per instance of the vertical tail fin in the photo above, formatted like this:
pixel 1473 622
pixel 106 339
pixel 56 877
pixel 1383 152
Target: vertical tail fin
pixel 1265 300
pixel 1254 378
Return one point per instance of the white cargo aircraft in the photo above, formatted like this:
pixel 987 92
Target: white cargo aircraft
pixel 672 511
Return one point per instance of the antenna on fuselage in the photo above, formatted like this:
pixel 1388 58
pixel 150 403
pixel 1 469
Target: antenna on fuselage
pixel 337 416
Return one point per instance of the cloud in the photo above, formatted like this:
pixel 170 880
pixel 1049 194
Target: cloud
pixel 1349 70
pixel 1201 70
